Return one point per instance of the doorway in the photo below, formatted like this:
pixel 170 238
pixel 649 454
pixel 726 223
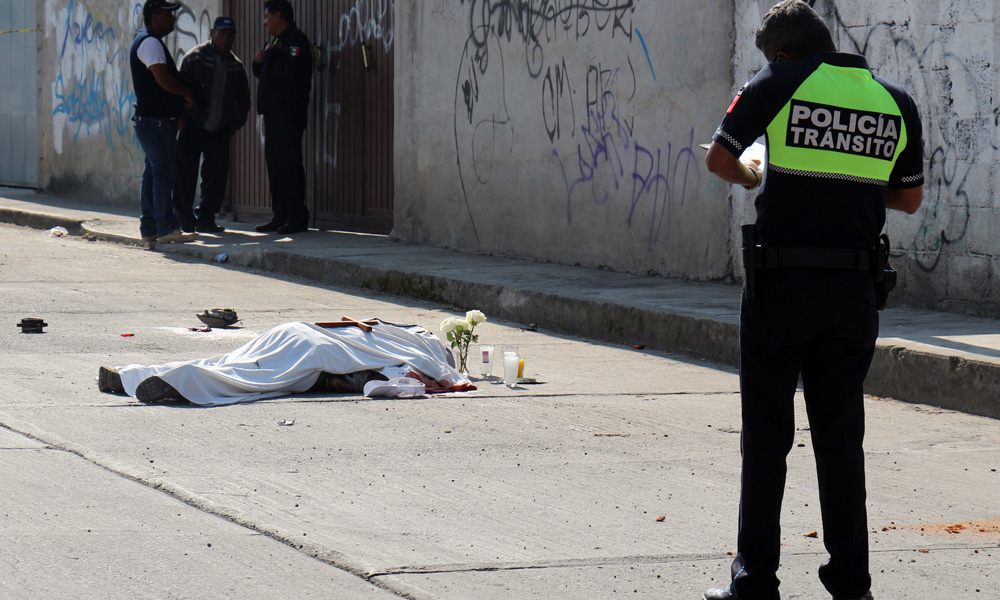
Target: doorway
pixel 349 139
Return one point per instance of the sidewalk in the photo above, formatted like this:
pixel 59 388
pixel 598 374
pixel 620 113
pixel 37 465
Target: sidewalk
pixel 942 359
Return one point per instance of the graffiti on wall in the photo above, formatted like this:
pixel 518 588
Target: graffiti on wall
pixel 364 22
pixel 369 21
pixel 92 94
pixel 955 134
pixel 585 108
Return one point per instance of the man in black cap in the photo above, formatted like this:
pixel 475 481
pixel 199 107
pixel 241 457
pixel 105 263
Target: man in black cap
pixel 160 99
pixel 208 128
pixel 284 68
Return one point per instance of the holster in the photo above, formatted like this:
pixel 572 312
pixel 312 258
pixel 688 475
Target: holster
pixel 882 272
pixel 751 260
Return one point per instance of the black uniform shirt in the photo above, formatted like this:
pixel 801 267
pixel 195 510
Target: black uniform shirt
pixel 286 73
pixel 819 206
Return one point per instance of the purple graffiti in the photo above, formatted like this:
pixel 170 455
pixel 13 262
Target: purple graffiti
pixel 611 155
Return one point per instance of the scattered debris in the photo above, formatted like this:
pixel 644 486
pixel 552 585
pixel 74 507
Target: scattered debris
pixel 221 258
pixel 991 527
pixel 812 534
pixel 639 347
pixel 58 232
pixel 201 329
pixel 128 335
pixel 287 422
pixel 661 518
pixel 32 325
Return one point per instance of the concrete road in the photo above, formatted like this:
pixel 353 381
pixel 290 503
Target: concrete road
pixel 617 477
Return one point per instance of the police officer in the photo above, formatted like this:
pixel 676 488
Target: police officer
pixel 842 146
pixel 284 68
pixel 209 127
pixel 160 98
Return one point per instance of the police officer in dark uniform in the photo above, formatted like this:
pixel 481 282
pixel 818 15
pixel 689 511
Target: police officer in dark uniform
pixel 284 68
pixel 842 146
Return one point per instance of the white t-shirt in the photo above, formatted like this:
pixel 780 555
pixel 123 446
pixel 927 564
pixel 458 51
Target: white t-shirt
pixel 151 52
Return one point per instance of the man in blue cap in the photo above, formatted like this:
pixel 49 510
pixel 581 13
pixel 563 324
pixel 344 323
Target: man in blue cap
pixel 208 127
pixel 160 98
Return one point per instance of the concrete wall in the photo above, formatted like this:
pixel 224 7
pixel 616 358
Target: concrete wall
pixel 945 52
pixel 87 147
pixel 565 131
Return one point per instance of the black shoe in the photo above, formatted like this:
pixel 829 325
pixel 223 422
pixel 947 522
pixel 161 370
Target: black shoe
pixel 867 596
pixel 209 228
pixel 269 227
pixel 109 381
pixel 292 228
pixel 155 390
pixel 725 593
pixel 188 226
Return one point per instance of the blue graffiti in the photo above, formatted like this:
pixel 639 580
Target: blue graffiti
pixel 646 50
pixel 88 34
pixel 86 105
pixel 98 103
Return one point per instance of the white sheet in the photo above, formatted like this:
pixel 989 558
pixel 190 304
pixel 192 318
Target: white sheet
pixel 289 358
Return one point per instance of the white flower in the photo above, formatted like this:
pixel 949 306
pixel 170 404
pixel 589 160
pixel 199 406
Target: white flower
pixel 450 324
pixel 475 317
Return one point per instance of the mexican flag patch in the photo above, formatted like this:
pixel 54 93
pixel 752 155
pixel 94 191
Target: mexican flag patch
pixel 294 50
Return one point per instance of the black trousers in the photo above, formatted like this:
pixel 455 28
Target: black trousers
pixel 286 172
pixel 210 148
pixel 821 324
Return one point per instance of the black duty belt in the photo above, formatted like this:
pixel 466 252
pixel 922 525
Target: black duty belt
pixel 785 257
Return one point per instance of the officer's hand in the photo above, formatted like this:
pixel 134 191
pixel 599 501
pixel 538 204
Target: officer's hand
pixel 754 165
pixel 188 100
pixel 259 58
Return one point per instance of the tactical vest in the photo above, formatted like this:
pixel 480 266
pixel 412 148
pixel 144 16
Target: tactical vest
pixel 151 100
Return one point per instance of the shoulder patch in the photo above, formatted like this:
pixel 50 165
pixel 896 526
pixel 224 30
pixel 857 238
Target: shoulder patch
pixel 736 99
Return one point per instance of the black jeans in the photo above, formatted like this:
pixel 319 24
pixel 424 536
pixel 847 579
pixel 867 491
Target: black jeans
pixel 211 149
pixel 285 169
pixel 821 324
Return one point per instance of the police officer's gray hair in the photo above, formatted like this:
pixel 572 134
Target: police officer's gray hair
pixel 793 26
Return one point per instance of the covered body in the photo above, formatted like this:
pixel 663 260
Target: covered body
pixel 289 359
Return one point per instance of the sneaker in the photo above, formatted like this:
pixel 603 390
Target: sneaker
pixel 109 381
pixel 177 236
pixel 155 390
pixel 149 238
pixel 725 593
